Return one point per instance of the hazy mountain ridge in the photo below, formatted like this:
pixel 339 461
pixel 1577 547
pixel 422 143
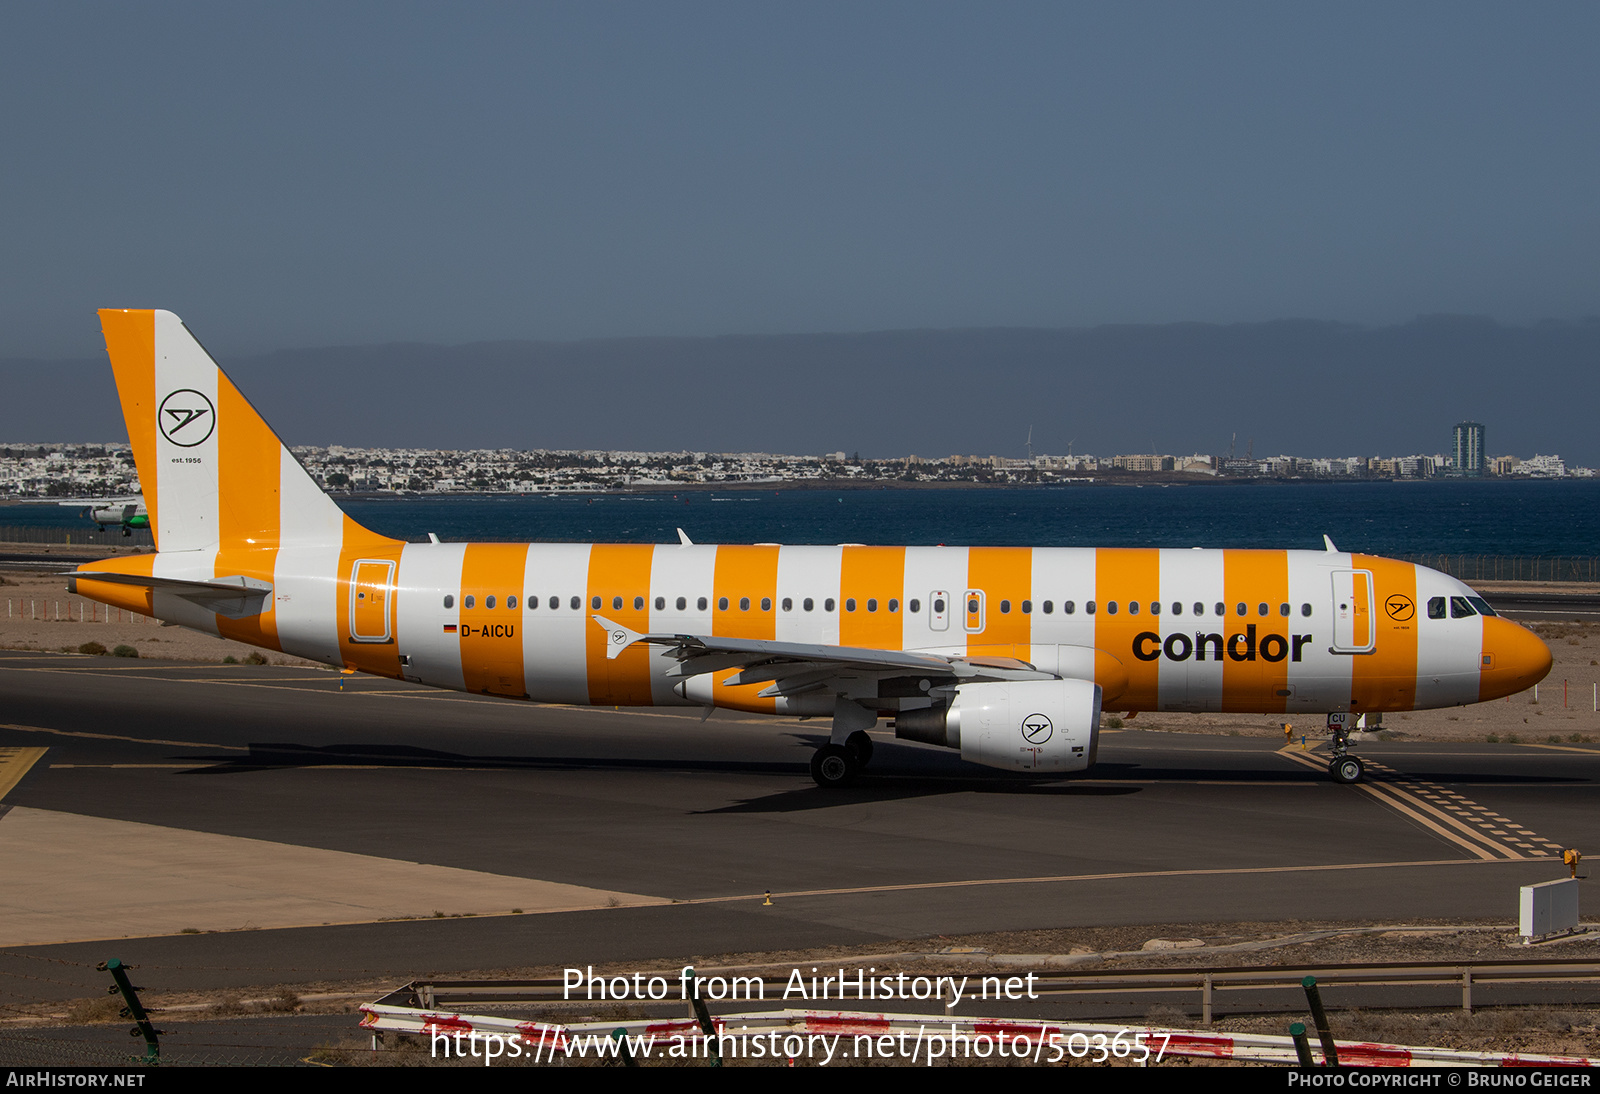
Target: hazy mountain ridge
pixel 1306 387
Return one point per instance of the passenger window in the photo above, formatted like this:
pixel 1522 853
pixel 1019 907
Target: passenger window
pixel 682 603
pixel 915 606
pixel 1133 607
pixel 511 602
pixel 1222 609
pixel 700 605
pixel 1283 609
pixel 471 601
pixel 1436 607
pixel 827 605
pixel 449 601
pixel 1088 606
pixel 533 603
pixel 744 603
pixel 722 604
pixel 638 603
pixel 808 603
pixel 1048 606
pixel 488 602
pixel 788 604
pixel 1199 608
pixel 1177 607
pixel 1243 610
pixel 1068 607
pixel 1262 609
pixel 577 602
pixel 661 603
pixel 1005 607
pixel 1305 609
pixel 894 605
pixel 872 604
pixel 850 604
pixel 1027 607
pixel 1155 607
pixel 616 603
pixel 594 605
pixel 766 603
pixel 555 602
pixel 1111 607
pixel 1460 609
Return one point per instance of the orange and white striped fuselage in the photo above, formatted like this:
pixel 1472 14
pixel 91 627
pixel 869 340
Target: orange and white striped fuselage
pixel 1178 630
pixel 250 548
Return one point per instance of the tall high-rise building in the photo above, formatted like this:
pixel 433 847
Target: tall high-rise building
pixel 1467 448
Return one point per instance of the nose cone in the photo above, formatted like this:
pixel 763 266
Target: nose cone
pixel 1514 659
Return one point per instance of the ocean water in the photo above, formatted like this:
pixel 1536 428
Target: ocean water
pixel 1503 518
pixel 1560 517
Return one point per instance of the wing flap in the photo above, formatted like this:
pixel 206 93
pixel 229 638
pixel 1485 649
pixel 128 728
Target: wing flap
pixel 761 660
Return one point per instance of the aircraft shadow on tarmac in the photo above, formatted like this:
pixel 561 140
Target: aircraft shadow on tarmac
pixel 278 756
pixel 898 773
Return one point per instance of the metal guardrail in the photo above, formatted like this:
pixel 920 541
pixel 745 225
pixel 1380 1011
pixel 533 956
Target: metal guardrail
pixel 1208 982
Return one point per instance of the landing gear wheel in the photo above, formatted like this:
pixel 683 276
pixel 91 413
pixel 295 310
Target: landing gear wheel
pixel 1345 769
pixel 860 746
pixel 833 767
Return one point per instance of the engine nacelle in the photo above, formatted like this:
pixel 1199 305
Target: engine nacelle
pixel 1029 725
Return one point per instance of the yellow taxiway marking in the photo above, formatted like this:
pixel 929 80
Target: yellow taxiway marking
pixel 14 763
pixel 121 737
pixel 1126 875
pixel 1446 813
pixel 1565 748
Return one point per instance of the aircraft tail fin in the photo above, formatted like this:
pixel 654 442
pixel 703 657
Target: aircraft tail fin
pixel 212 471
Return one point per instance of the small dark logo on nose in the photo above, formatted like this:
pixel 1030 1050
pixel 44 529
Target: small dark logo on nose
pixel 1036 728
pixel 186 418
pixel 1399 607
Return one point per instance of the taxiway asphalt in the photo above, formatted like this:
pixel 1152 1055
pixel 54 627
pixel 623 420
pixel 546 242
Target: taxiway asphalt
pixel 180 797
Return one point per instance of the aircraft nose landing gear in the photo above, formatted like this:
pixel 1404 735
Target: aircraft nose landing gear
pixel 1344 768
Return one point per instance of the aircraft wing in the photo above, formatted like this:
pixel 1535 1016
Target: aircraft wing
pixel 792 667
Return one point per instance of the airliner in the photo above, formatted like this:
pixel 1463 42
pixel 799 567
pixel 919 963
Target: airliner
pixel 1008 654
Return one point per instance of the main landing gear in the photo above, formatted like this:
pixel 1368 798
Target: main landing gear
pixel 1344 768
pixel 834 766
pixel 849 749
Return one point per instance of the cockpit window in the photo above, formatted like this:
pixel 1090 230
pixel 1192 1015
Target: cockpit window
pixel 1436 607
pixel 1481 604
pixel 1460 609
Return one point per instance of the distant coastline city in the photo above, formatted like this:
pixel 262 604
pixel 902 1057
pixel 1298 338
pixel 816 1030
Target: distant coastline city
pixel 104 470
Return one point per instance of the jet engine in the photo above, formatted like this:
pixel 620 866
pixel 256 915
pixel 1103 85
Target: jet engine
pixel 1030 725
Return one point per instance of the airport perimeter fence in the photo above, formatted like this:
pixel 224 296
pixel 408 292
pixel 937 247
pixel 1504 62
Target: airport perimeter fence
pixel 111 537
pixel 1513 567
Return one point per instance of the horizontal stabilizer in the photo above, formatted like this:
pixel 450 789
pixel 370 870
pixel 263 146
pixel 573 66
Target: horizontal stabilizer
pixel 234 597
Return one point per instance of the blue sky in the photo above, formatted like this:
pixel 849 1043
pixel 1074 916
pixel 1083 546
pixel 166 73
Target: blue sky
pixel 319 174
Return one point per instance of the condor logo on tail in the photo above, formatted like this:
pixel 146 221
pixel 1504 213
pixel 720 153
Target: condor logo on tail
pixel 1148 646
pixel 186 418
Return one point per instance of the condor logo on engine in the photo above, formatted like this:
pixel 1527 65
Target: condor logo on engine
pixel 1036 728
pixel 1148 646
